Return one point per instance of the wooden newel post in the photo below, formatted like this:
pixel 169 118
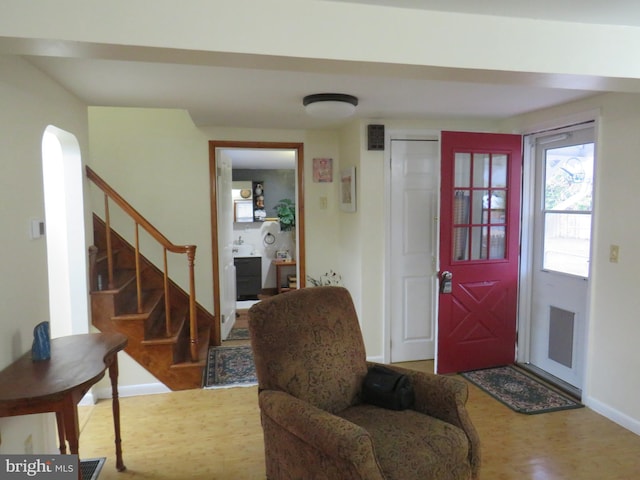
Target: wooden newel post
pixel 193 317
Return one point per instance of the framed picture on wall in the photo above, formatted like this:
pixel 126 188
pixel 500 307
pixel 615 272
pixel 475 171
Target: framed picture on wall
pixel 348 189
pixel 323 170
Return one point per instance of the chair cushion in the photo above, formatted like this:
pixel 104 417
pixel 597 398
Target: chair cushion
pixel 409 444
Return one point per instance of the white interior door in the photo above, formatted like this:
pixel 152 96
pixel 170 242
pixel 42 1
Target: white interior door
pixel 225 243
pixel 413 248
pixel 562 253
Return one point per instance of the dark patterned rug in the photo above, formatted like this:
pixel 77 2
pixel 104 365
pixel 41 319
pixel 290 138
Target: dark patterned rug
pixel 230 366
pixel 238 333
pixel 519 391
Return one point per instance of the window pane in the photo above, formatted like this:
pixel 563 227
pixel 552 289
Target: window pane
pixel 495 203
pixel 461 207
pixel 462 170
pixel 481 169
pixel 569 178
pixel 478 206
pixel 499 171
pixel 460 245
pixel 566 243
pixel 479 243
pixel 497 243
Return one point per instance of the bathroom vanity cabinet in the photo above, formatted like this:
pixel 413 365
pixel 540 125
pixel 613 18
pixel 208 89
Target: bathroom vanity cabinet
pixel 248 277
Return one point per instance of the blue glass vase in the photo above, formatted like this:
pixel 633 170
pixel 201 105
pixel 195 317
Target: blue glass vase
pixel 41 349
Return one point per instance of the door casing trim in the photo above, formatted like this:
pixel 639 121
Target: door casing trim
pixel 214 145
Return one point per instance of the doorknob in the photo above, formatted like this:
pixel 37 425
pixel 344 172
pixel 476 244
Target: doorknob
pixel 446 282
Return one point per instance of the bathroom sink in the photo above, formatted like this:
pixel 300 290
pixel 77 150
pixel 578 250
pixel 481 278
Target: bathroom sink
pixel 244 250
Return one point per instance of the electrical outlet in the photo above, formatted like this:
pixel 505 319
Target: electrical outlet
pixel 614 253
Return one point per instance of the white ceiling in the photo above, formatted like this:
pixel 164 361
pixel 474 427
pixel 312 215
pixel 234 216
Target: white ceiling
pixel 611 12
pixel 257 92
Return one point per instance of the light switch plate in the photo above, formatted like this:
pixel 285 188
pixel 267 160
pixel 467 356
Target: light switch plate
pixel 614 253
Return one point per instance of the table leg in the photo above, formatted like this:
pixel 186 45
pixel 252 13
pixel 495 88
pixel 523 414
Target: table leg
pixel 61 435
pixel 71 425
pixel 113 376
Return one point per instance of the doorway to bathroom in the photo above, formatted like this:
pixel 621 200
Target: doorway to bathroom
pixel 251 250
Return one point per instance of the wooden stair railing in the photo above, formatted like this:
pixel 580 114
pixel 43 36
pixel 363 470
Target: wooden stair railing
pixel 140 221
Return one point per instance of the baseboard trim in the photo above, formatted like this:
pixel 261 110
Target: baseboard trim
pixel 612 414
pixel 132 390
pixel 378 359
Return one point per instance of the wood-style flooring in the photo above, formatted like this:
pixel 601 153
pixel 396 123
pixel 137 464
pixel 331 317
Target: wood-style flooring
pixel 216 434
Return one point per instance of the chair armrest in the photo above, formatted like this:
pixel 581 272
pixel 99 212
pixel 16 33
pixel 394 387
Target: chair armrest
pixel 444 397
pixel 328 433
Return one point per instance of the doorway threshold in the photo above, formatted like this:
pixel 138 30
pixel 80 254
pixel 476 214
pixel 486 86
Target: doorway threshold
pixel 553 380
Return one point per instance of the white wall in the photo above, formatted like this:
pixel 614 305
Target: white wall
pixel 30 102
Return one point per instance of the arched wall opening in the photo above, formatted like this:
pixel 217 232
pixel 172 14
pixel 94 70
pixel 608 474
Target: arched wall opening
pixel 65 233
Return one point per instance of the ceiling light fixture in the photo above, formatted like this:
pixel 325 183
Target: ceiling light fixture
pixel 330 105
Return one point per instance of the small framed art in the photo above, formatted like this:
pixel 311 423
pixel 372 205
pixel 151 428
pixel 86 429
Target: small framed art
pixel 323 170
pixel 348 189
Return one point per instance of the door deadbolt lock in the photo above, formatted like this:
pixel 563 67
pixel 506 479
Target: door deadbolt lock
pixel 446 282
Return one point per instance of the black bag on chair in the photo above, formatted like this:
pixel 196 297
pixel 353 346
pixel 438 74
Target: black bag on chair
pixel 386 388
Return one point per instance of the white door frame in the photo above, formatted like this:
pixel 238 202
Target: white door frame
pixel 398 134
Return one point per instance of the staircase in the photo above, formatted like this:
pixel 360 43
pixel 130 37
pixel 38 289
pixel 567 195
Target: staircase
pixel 166 356
pixel 134 300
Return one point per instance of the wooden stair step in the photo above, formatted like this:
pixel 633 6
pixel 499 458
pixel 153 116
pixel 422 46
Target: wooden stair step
pixel 151 300
pixel 122 278
pixel 102 256
pixel 203 351
pixel 157 334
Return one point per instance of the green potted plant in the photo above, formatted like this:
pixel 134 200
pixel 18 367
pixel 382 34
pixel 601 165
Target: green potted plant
pixel 286 211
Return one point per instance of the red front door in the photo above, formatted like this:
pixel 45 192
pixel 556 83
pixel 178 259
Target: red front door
pixel 479 250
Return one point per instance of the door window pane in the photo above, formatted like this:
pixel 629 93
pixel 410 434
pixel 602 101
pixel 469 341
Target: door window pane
pixel 567 238
pixel 497 243
pixel 493 204
pixel 460 243
pixel 499 171
pixel 481 169
pixel 462 172
pixel 479 243
pixel 569 178
pixel 479 207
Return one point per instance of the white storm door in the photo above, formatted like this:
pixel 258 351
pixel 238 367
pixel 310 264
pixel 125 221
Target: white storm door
pixel 413 248
pixel 225 243
pixel 562 253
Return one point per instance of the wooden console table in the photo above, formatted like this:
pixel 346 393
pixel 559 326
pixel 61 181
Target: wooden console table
pixel 57 385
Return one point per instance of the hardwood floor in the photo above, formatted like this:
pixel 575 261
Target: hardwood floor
pixel 216 434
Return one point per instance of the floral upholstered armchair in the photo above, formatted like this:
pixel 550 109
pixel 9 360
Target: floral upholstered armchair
pixel 310 362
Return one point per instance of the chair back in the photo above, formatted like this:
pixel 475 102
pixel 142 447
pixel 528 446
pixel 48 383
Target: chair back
pixel 308 343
